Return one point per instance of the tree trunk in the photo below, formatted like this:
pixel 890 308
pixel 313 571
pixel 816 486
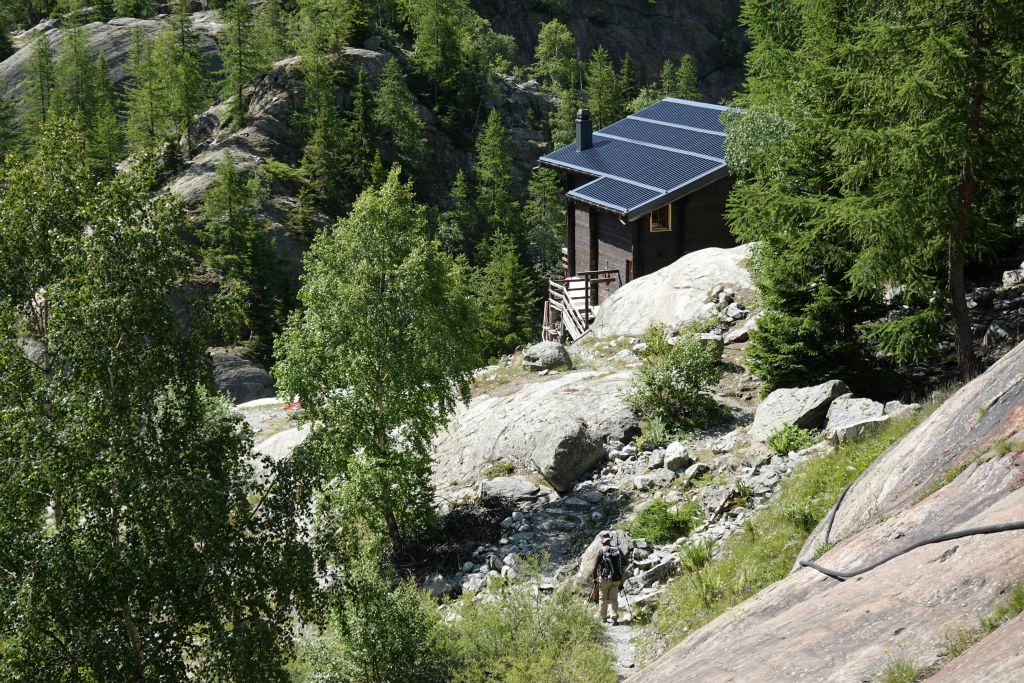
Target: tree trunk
pixel 968 191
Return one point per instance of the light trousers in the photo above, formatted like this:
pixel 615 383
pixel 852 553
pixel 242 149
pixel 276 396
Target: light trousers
pixel 609 596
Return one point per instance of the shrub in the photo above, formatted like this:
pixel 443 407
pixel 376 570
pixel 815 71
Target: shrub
pixel 788 438
pixel 653 432
pixel 520 637
pixel 658 522
pixel 698 555
pixel 673 381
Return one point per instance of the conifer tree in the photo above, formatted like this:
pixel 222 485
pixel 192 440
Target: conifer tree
pixel 357 144
pixel 507 295
pixel 41 72
pixel 495 195
pixel 143 9
pixel 150 111
pixel 458 227
pixel 679 81
pixel 241 55
pixel 8 133
pixel 270 29
pixel 236 244
pixel 6 44
pixel 398 118
pixel 545 218
pixel 628 88
pixel 188 80
pixel 604 88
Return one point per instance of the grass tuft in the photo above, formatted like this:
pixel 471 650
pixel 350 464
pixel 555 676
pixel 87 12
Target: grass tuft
pixel 901 671
pixel 660 522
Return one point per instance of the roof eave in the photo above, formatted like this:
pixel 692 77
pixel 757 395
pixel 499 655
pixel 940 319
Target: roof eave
pixel 699 183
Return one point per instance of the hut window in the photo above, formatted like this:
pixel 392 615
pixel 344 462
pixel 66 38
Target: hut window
pixel 661 219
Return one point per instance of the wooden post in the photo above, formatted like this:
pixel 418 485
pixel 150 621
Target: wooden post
pixel 638 248
pixel 570 237
pixel 595 252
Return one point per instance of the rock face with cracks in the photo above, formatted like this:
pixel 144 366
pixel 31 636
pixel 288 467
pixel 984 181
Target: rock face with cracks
pixel 556 428
pixel 811 627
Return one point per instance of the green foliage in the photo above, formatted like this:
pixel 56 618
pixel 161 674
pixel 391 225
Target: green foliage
pixel 6 44
pixel 545 219
pixel 150 114
pixel 788 438
pixel 187 74
pixel 605 89
pixel 872 146
pixel 767 547
pixel 242 56
pixel 653 432
pixel 125 496
pixel 41 76
pixel 659 523
pixel 502 468
pixel 380 630
pixel 901 671
pixel 506 296
pixel 495 196
pixel 679 81
pixel 1008 608
pixel 674 381
pixel 142 9
pixel 555 62
pixel 270 31
pixel 525 638
pixel 380 353
pixel 8 133
pixel 458 227
pixel 235 243
pixel 398 119
pixel 696 556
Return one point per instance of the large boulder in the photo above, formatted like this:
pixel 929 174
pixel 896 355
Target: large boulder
pixel 242 379
pixel 676 294
pixel 810 627
pixel 850 418
pixel 554 426
pixel 804 407
pixel 547 355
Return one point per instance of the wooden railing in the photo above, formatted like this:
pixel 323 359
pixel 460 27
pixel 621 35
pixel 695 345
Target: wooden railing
pixel 572 303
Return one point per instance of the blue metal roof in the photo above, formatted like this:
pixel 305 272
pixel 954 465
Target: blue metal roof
pixel 648 159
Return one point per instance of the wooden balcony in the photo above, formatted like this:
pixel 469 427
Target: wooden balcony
pixel 572 304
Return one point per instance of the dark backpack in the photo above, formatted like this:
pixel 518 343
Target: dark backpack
pixel 611 564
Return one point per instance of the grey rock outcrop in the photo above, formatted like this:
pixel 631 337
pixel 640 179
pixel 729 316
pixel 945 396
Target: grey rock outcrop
pixel 847 631
pixel 242 379
pixel 510 489
pixel 804 407
pixel 678 293
pixel 555 426
pixel 113 40
pixel 547 355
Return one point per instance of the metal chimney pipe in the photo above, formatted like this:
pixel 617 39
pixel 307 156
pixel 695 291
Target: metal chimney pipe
pixel 584 130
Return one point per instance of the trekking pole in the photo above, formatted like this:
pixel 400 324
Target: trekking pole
pixel 628 608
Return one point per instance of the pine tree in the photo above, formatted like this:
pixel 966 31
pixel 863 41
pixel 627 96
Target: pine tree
pixel 270 29
pixel 604 88
pixel 459 227
pixel 6 44
pixel 495 195
pixel 507 296
pixel 545 218
pixel 8 132
pixel 236 244
pixel 41 72
pixel 628 88
pixel 188 80
pixel 684 81
pixel 357 144
pixel 398 118
pixel 148 102
pixel 242 56
pixel 143 9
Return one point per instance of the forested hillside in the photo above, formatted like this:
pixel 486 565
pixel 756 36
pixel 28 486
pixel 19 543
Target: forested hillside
pixel 269 270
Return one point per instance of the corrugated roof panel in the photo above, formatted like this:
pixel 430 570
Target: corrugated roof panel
pixel 614 194
pixel 676 138
pixel 681 114
pixel 621 160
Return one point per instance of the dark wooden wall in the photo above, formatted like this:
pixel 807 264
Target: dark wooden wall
pixel 704 218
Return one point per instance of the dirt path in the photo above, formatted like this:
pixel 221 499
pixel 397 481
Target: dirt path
pixel 620 638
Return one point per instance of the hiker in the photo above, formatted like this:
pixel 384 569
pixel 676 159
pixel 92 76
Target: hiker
pixel 608 572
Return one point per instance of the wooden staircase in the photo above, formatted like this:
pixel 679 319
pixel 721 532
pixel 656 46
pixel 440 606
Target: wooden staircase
pixel 572 304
